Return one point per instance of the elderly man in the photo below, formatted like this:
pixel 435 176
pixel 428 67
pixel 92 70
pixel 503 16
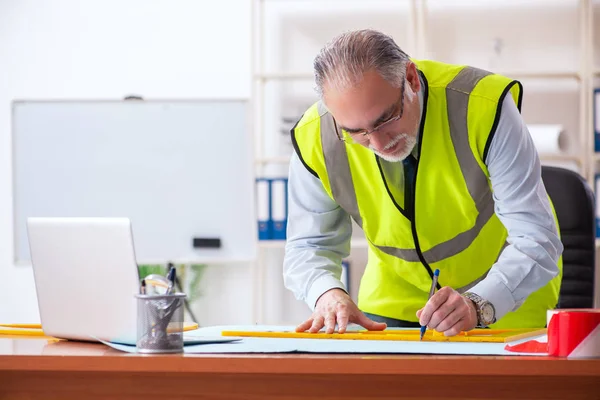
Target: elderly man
pixel 434 162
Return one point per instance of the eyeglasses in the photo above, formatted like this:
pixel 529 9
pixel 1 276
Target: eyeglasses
pixel 363 135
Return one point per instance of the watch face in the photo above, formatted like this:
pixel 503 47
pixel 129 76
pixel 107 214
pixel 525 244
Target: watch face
pixel 487 313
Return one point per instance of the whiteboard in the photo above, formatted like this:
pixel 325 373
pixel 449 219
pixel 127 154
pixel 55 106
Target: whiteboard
pixel 178 169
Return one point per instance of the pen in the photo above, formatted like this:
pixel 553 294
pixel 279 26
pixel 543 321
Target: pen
pixel 433 285
pixel 171 279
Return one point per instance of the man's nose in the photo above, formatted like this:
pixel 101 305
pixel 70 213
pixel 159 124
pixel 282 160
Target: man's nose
pixel 378 140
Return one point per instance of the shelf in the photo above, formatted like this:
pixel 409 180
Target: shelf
pixel 271 244
pixel 280 244
pixel 561 157
pixel 273 160
pixel 543 157
pixel 536 74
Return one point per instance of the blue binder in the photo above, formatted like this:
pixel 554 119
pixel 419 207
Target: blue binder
pixel 279 207
pixel 264 210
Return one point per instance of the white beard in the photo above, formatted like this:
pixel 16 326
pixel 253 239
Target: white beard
pixel 409 142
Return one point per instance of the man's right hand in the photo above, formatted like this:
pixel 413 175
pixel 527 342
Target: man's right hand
pixel 335 306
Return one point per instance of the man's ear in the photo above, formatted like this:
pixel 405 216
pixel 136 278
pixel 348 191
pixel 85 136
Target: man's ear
pixel 412 76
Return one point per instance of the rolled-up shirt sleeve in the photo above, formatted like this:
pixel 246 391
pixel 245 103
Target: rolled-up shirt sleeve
pixel 530 260
pixel 318 237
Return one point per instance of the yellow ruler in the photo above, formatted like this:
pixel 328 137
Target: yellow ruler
pixel 20 331
pixel 31 326
pixel 36 329
pixel 475 335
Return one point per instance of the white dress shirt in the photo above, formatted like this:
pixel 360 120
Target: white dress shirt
pixel 319 231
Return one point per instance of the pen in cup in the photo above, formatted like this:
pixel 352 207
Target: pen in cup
pixel 434 281
pixel 171 279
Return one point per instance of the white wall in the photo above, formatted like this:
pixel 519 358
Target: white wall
pixel 106 49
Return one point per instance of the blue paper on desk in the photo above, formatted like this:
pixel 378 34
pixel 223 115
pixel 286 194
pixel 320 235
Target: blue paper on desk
pixel 188 341
pixel 287 345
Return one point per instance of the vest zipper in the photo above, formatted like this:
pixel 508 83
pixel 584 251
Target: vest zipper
pixel 413 193
pixel 413 189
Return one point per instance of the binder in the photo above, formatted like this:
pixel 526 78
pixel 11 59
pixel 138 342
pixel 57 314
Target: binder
pixel 263 204
pixel 597 120
pixel 279 207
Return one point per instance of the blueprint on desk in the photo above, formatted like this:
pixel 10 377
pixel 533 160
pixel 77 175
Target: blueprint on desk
pixel 332 346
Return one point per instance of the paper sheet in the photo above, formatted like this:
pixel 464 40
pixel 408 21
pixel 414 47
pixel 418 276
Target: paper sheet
pixel 280 345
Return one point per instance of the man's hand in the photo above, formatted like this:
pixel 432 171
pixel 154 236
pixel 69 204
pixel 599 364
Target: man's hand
pixel 335 306
pixel 448 312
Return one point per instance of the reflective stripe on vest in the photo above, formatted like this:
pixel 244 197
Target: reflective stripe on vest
pixel 342 187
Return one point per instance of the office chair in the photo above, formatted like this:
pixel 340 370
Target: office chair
pixel 574 204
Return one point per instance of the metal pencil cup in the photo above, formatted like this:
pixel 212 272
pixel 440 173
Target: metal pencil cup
pixel 160 323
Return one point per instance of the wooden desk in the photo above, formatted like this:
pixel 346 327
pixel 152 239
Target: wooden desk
pixel 43 369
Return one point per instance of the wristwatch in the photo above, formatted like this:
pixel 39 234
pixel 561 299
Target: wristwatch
pixel 486 313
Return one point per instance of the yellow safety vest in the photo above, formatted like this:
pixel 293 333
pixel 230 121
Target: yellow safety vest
pixel 448 222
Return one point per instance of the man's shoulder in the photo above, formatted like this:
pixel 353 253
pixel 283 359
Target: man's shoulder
pixel 310 117
pixel 442 75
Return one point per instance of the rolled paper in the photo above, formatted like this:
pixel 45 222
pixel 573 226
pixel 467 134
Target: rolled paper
pixel 548 139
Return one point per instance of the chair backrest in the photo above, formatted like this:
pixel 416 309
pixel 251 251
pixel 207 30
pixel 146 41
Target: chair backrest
pixel 574 204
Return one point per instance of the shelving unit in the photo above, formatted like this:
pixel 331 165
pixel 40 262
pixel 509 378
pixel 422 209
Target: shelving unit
pixel 492 34
pixel 273 160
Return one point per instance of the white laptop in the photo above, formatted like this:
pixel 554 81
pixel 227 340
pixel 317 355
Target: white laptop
pixel 86 278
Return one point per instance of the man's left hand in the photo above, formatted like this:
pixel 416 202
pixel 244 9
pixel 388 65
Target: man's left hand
pixel 448 312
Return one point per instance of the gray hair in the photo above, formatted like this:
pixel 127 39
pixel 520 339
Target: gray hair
pixel 343 61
